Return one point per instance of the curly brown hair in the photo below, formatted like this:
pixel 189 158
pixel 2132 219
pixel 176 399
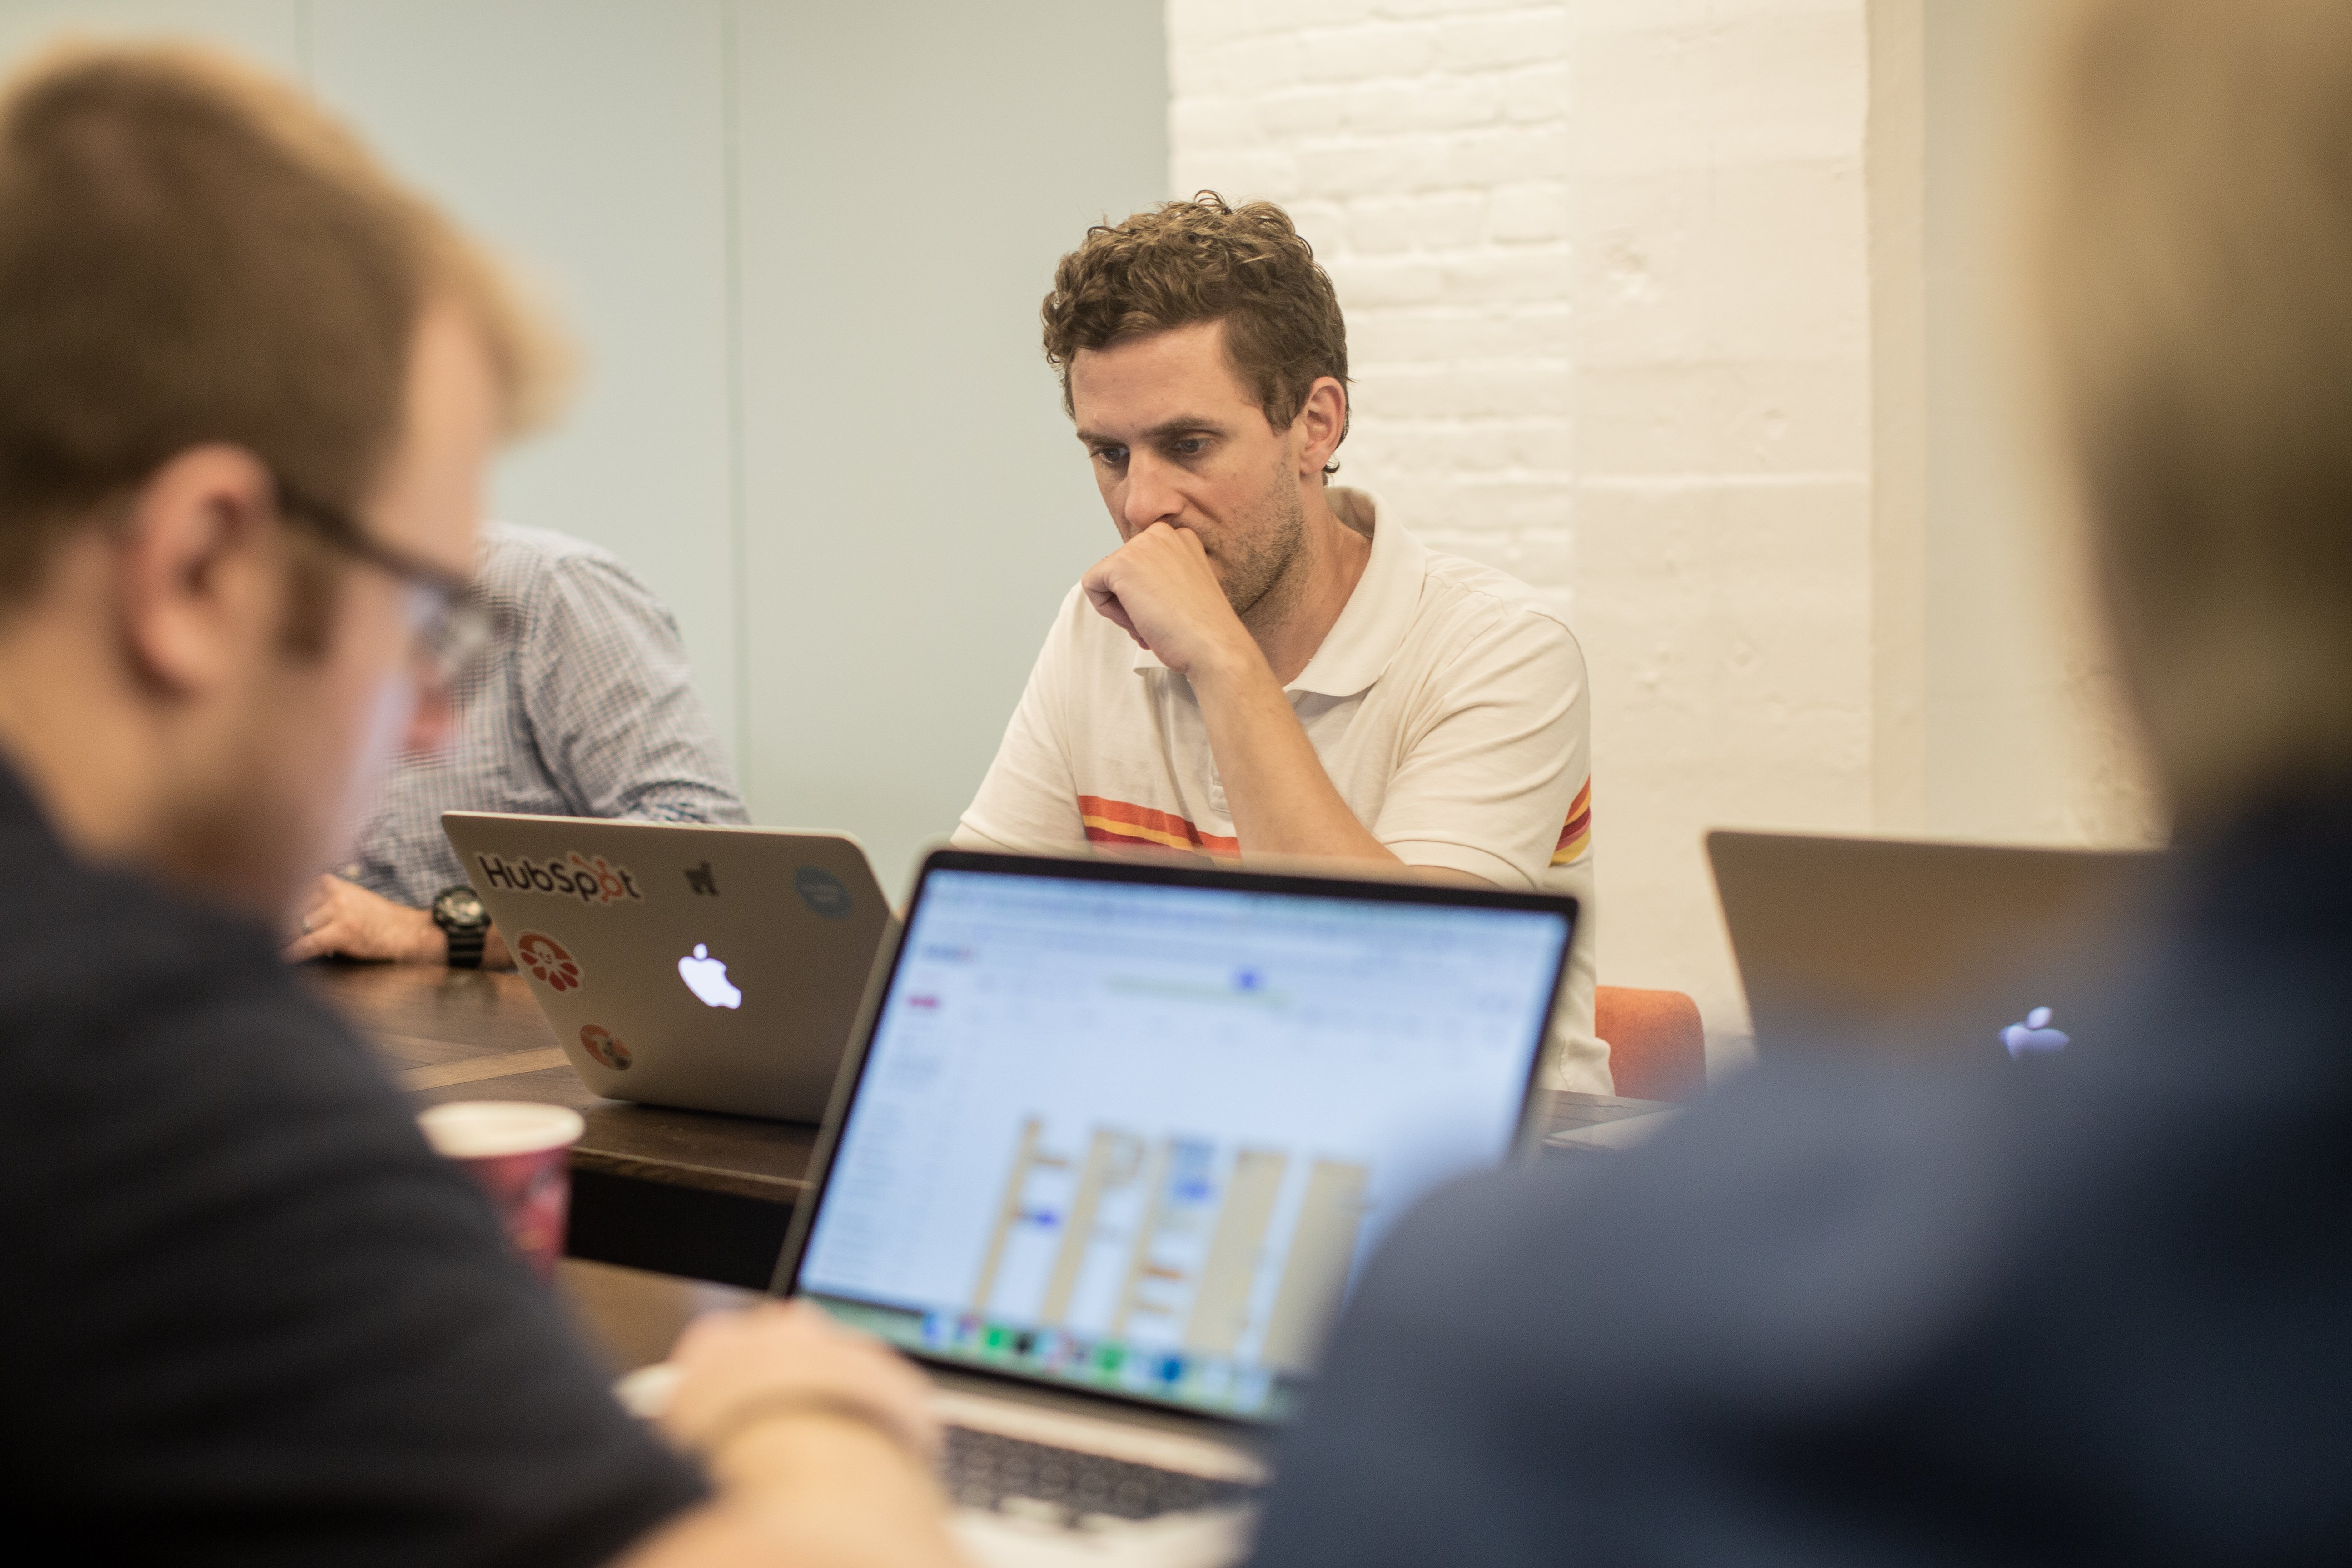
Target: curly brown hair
pixel 1203 260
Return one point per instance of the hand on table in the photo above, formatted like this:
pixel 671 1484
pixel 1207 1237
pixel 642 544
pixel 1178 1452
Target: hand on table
pixel 1160 588
pixel 343 918
pixel 820 1442
pixel 778 1361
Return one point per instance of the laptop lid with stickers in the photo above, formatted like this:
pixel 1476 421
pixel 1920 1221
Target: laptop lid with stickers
pixel 710 967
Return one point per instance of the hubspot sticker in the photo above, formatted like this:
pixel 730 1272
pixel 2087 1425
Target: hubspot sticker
pixel 599 1044
pixel 546 962
pixel 575 876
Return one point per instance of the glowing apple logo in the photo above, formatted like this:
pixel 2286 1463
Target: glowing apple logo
pixel 2033 1035
pixel 707 977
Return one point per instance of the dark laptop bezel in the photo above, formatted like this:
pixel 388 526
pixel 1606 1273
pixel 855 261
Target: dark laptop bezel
pixel 1526 1136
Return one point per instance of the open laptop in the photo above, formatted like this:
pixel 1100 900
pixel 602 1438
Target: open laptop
pixel 714 968
pixel 1114 1142
pixel 1936 952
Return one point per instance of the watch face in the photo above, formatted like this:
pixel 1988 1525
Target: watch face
pixel 461 907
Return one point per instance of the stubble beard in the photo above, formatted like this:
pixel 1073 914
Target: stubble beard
pixel 1264 559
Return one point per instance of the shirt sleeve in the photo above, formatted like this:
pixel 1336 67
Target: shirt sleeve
pixel 1030 797
pixel 256 1320
pixel 1495 782
pixel 611 702
pixel 1488 775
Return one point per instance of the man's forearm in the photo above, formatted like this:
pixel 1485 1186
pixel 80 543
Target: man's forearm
pixel 1282 801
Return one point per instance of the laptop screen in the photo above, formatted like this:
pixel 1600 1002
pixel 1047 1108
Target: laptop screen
pixel 1140 1135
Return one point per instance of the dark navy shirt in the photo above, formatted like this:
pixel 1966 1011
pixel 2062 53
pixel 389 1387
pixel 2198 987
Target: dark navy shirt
pixel 2089 1308
pixel 246 1315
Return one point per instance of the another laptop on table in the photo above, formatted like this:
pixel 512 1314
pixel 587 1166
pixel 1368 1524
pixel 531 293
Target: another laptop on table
pixel 713 968
pixel 1934 951
pixel 1115 1139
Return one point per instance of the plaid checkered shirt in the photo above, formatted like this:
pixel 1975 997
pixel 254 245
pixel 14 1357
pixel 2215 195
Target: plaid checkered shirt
pixel 583 707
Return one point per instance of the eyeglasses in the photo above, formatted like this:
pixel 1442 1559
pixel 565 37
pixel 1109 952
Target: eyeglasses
pixel 451 625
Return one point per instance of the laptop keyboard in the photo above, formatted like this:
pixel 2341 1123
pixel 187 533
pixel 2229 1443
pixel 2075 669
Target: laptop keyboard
pixel 987 1471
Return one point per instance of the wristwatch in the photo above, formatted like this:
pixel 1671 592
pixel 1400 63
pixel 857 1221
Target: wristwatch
pixel 459 912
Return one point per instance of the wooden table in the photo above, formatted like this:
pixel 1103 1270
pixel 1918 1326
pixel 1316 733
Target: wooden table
pixel 630 1317
pixel 681 1192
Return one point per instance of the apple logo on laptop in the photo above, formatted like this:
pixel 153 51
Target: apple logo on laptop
pixel 2033 1035
pixel 707 977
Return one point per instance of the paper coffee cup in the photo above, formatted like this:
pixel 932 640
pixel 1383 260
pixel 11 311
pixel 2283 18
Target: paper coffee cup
pixel 519 1152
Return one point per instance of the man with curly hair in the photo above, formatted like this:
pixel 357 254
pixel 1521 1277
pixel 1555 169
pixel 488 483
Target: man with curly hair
pixel 1269 664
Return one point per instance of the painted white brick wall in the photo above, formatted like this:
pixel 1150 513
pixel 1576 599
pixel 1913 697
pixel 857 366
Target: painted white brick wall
pixel 1423 148
pixel 1721 295
pixel 1606 275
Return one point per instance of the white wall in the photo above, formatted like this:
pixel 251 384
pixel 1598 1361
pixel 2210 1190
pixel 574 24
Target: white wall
pixel 804 245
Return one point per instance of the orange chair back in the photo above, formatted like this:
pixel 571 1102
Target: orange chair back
pixel 1657 1048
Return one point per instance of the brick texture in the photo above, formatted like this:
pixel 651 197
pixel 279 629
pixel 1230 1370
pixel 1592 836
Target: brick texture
pixel 1424 149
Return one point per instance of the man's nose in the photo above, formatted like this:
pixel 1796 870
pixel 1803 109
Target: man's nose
pixel 1151 496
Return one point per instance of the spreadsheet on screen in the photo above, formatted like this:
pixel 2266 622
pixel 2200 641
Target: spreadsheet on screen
pixel 1144 1136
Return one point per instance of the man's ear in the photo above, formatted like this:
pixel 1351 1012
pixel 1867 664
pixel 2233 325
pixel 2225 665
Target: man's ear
pixel 199 569
pixel 1322 425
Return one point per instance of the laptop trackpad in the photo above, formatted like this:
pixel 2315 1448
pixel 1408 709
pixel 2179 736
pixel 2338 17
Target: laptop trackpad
pixel 1039 1486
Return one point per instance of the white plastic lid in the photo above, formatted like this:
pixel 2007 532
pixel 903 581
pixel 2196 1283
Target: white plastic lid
pixel 490 1129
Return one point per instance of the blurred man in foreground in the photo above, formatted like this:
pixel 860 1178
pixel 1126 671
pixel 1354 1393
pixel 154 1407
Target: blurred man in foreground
pixel 247 390
pixel 2091 1309
pixel 581 704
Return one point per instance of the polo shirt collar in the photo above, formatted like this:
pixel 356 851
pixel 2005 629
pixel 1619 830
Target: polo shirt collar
pixel 1373 625
pixel 1356 649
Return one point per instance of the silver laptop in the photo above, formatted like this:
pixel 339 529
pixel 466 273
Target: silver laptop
pixel 714 968
pixel 1116 1139
pixel 1932 951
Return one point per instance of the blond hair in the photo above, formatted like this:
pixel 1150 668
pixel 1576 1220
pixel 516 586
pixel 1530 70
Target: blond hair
pixel 2195 263
pixel 193 251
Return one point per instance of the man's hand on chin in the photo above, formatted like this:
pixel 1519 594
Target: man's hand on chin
pixel 1159 585
pixel 1160 589
pixel 344 920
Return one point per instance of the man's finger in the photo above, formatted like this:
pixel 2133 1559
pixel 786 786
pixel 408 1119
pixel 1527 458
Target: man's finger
pixel 331 935
pixel 308 945
pixel 321 898
pixel 1110 609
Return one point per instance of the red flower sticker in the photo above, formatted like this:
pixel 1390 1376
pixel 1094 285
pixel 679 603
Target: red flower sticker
pixel 548 964
pixel 599 1044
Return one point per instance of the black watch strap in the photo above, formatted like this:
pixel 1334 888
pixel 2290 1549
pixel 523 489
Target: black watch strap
pixel 464 937
pixel 465 947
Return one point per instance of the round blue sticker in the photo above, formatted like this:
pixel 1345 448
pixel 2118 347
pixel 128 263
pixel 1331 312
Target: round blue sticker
pixel 821 891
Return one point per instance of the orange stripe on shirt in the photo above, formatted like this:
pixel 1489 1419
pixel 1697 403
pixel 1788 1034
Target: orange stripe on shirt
pixel 1576 835
pixel 1121 822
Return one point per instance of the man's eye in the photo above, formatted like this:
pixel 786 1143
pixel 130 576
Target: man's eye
pixel 1189 446
pixel 1114 456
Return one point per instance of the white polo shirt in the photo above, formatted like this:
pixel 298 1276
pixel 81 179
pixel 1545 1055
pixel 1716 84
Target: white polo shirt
pixel 1448 705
